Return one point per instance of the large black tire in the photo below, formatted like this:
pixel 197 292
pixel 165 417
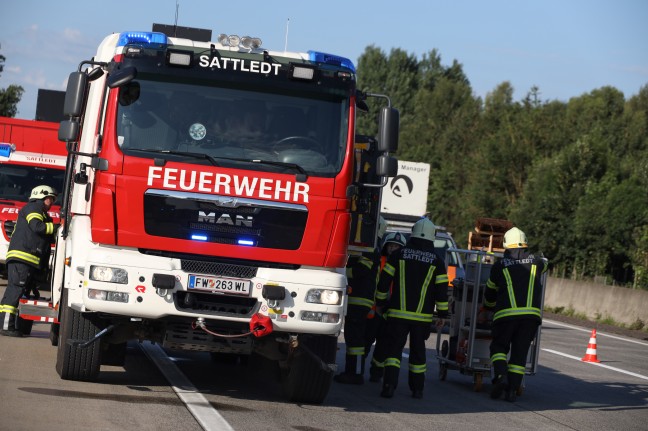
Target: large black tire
pixel 113 354
pixel 308 376
pixel 73 362
pixel 54 333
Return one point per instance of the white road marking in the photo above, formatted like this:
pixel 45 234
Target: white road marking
pixel 597 364
pixel 578 328
pixel 207 416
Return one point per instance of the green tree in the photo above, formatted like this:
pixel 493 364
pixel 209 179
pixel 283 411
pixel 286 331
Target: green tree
pixel 10 96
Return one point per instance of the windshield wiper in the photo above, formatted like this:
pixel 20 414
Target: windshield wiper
pixel 293 166
pixel 178 153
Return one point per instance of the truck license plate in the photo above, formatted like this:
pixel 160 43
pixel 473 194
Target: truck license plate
pixel 219 284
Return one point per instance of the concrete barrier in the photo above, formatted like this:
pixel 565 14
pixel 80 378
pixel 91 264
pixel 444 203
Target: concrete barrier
pixel 594 300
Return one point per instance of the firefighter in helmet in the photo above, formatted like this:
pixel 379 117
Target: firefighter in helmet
pixel 28 254
pixel 393 242
pixel 420 284
pixel 362 274
pixel 514 293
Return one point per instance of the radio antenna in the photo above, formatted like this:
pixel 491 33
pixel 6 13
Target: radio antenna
pixel 175 24
pixel 286 45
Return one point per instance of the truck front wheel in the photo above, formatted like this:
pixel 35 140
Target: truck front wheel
pixel 72 361
pixel 307 375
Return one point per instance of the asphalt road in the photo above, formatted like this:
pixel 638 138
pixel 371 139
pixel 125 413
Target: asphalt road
pixel 565 394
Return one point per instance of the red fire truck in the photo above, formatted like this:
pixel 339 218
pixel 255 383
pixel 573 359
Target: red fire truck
pixel 30 155
pixel 211 191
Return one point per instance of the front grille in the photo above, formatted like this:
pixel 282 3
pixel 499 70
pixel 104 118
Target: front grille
pixel 215 304
pixel 217 268
pixel 9 227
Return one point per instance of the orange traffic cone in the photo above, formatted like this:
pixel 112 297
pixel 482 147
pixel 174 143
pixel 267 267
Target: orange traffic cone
pixel 590 354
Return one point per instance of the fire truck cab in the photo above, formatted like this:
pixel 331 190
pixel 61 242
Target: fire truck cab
pixel 208 202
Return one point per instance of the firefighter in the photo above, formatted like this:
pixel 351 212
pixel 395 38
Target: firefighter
pixel 420 283
pixel 393 242
pixel 362 274
pixel 514 293
pixel 28 254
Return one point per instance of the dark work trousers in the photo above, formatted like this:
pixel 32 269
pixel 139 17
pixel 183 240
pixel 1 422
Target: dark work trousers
pixel 516 335
pixel 355 323
pixel 396 334
pixel 376 330
pixel 20 276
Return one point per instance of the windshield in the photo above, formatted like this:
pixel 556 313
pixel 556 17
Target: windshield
pixel 17 181
pixel 234 126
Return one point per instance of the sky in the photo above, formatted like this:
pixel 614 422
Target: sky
pixel 566 48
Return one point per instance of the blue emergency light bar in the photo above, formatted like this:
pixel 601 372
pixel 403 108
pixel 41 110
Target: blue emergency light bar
pixel 245 242
pixel 199 237
pixel 335 60
pixel 153 39
pixel 6 149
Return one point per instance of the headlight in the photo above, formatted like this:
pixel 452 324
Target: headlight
pixel 316 316
pixel 108 275
pixel 323 296
pixel 103 295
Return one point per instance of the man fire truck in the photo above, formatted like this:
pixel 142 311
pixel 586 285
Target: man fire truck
pixel 209 200
pixel 30 155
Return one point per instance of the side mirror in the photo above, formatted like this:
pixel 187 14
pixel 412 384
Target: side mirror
pixel 121 77
pixel 75 94
pixel 387 166
pixel 388 124
pixel 69 131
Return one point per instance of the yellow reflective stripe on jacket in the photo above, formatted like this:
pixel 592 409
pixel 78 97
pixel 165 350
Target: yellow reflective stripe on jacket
pixel 21 255
pixel 402 293
pixel 366 262
pixel 441 306
pixel 381 296
pixel 389 269
pixel 529 302
pixel 509 287
pixel 363 302
pixel 49 228
pixel 409 315
pixel 441 279
pixel 424 288
pixel 32 216
pixel 520 311
pixel 8 309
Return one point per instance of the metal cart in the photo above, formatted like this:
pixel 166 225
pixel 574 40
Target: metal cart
pixel 466 346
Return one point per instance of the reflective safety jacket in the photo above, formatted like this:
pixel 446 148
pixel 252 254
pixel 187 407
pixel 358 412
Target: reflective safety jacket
pixel 514 289
pixel 362 274
pixel 33 236
pixel 420 283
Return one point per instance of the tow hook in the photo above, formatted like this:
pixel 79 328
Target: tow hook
pixel 81 344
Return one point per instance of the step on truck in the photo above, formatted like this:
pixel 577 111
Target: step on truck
pixel 208 202
pixel 30 155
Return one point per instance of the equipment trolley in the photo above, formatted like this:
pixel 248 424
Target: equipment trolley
pixel 466 346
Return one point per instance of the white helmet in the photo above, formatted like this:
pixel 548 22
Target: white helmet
pixel 394 238
pixel 41 192
pixel 515 238
pixel 424 229
pixel 382 227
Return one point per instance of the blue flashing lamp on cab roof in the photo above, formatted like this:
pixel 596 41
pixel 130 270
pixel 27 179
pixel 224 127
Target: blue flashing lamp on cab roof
pixel 153 39
pixel 335 60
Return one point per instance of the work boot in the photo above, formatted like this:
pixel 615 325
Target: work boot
pixel 11 333
pixel 417 394
pixel 510 395
pixel 349 379
pixel 499 386
pixel 375 374
pixel 387 391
